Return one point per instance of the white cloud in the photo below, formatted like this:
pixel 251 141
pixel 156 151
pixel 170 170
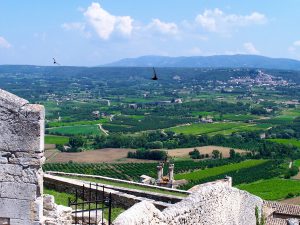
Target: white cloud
pixel 4 43
pixel 73 26
pixel 208 19
pixel 297 43
pixel 217 21
pixel 254 18
pixel 76 26
pixel 105 23
pixel 163 27
pixel 250 48
pixel 124 24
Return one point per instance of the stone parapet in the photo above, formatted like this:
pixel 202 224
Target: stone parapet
pixel 122 197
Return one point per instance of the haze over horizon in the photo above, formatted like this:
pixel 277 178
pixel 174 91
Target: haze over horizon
pixel 90 33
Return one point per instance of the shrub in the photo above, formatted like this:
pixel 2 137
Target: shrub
pixel 147 154
pixel 195 154
pixel 291 172
pixel 290 195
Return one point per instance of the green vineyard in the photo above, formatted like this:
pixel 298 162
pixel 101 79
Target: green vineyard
pixel 132 171
pixel 260 171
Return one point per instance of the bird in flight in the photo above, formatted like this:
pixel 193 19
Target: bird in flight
pixel 54 62
pixel 154 75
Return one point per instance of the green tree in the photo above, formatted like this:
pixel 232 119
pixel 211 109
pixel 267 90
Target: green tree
pixel 60 147
pixel 195 154
pixel 215 154
pixel 232 153
pixel 76 142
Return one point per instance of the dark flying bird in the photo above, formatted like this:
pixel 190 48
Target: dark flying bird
pixel 54 62
pixel 154 75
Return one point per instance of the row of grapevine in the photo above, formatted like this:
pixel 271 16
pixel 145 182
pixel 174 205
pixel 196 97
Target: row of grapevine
pixel 132 171
pixel 267 170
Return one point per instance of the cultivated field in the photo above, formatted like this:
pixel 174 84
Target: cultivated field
pixel 201 174
pixel 273 189
pixel 53 139
pixel 292 141
pixel 293 201
pixel 184 152
pixel 224 128
pixel 132 170
pixel 95 156
pixel 50 146
pixel 244 172
pixel 75 130
pixel 120 154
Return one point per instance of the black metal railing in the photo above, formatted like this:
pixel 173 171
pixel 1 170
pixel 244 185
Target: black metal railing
pixel 89 202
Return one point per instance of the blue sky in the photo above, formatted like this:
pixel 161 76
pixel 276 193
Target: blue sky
pixel 89 33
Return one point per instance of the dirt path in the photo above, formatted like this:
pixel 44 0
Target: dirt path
pixel 51 154
pixel 111 117
pixel 102 129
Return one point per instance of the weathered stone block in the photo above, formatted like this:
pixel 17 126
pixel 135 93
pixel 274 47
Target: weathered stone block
pixel 21 124
pixel 18 190
pixel 2 161
pixel 4 221
pixel 292 222
pixel 49 203
pixel 15 208
pixel 24 222
pixel 9 172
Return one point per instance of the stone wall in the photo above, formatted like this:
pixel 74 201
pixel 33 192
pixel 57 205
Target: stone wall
pixel 21 157
pixel 122 197
pixel 117 181
pixel 211 203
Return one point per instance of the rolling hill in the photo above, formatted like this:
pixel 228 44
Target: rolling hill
pixel 227 61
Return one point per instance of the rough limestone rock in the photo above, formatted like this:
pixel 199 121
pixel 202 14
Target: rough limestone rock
pixel 56 214
pixel 292 222
pixel 143 213
pixel 21 158
pixel 211 203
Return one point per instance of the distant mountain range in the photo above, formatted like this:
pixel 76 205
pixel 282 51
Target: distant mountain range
pixel 217 61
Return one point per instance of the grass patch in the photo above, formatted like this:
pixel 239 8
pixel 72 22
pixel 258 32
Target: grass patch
pixel 278 120
pixel 297 162
pixel 76 130
pixel 272 189
pixel 292 141
pixel 293 113
pixel 205 128
pixel 52 139
pixel 240 117
pixel 61 198
pixel 84 122
pixel 248 127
